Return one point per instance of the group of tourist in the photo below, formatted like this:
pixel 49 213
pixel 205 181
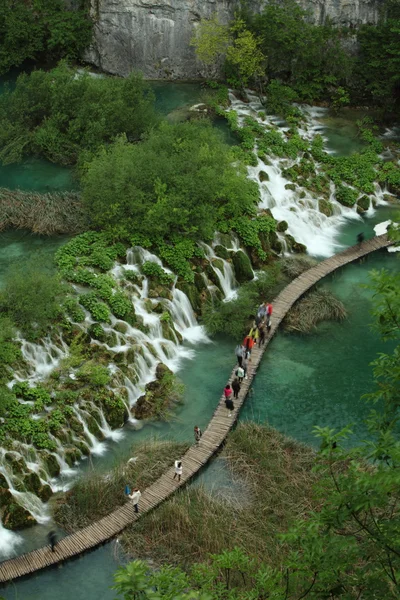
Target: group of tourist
pixel 257 333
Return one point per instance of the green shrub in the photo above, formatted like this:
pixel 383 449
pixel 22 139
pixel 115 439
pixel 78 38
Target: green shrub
pixel 151 269
pixel 98 310
pixel 94 375
pixel 31 298
pixel 346 195
pixel 62 114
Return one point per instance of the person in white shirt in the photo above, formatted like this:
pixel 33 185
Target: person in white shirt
pixel 178 469
pixel 135 497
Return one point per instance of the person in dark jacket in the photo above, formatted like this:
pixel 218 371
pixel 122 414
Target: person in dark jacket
pixel 236 387
pixel 52 538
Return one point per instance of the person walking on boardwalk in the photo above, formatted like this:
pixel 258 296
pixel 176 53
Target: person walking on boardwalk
pixel 240 352
pixel 245 366
pixel 248 343
pixel 236 387
pixel 254 333
pixel 261 313
pixel 135 497
pixel 52 538
pixel 239 374
pixel 269 315
pixel 229 404
pixel 261 329
pixel 360 238
pixel 197 434
pixel 178 470
pixel 228 391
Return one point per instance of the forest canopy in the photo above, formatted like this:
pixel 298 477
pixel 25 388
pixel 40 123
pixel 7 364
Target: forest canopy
pixel 66 113
pixel 179 180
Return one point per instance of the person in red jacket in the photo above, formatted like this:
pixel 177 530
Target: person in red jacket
pixel 248 343
pixel 269 315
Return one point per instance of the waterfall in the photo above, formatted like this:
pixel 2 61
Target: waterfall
pixel 225 276
pixel 9 541
pixel 299 209
pixel 184 318
pixel 42 358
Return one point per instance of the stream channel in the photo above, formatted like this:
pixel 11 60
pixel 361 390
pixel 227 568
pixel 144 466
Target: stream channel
pixel 303 380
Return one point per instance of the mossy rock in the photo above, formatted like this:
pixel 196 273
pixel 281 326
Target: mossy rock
pixel 263 176
pixel 83 447
pixel 325 207
pixel 45 492
pixel 212 276
pixel 168 331
pixel 199 281
pixel 158 308
pixel 156 394
pixel 156 290
pixel 242 267
pixel 17 517
pixel 282 226
pixel 16 463
pixel 295 246
pixel 3 482
pixel 76 425
pixel 5 497
pixel 32 482
pixel 72 455
pixel 115 411
pixel 221 251
pixel 121 327
pixel 94 428
pixel 290 186
pixel 52 465
pixel 302 195
pixel 363 203
pixel 191 292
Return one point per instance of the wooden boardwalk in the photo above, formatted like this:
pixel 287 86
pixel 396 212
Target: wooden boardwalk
pixel 199 454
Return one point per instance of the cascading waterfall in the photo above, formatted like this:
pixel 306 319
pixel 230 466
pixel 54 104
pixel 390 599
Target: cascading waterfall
pixel 306 223
pixel 225 276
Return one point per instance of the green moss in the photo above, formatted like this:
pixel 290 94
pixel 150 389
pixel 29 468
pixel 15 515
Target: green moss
pixel 52 465
pixel 263 176
pixel 325 207
pixel 221 251
pixel 242 267
pixel 363 203
pixel 290 186
pixel 16 517
pixel 114 410
pixel 282 226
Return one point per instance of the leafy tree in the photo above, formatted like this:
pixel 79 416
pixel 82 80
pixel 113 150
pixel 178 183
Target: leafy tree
pixel 179 181
pixel 37 29
pixel 62 114
pixel 211 40
pixel 245 54
pixel 377 71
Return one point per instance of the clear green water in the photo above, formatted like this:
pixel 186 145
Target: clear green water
pixel 16 246
pixel 319 379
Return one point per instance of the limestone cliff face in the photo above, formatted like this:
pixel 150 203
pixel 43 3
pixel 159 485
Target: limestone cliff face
pixel 153 36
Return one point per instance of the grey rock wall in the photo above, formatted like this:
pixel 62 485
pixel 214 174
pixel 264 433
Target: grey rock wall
pixel 153 36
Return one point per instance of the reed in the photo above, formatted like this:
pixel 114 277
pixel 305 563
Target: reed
pixel 46 214
pixel 95 494
pixel 318 305
pixel 272 481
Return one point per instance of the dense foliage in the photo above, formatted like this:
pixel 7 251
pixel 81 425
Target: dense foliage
pixel 30 297
pixel 281 46
pixel 65 114
pixel 179 181
pixel 41 29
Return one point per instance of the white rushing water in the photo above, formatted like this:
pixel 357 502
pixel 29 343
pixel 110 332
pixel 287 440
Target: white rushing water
pixel 306 223
pixel 226 275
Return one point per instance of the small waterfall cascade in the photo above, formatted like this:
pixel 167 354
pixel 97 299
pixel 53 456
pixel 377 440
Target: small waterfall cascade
pixel 133 351
pixel 226 275
pixel 299 208
pixel 184 318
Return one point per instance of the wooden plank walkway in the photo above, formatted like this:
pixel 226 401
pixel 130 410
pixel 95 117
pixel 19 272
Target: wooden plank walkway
pixel 199 454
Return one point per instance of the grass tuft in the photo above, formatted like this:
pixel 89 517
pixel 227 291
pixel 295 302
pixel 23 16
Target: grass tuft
pixel 318 305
